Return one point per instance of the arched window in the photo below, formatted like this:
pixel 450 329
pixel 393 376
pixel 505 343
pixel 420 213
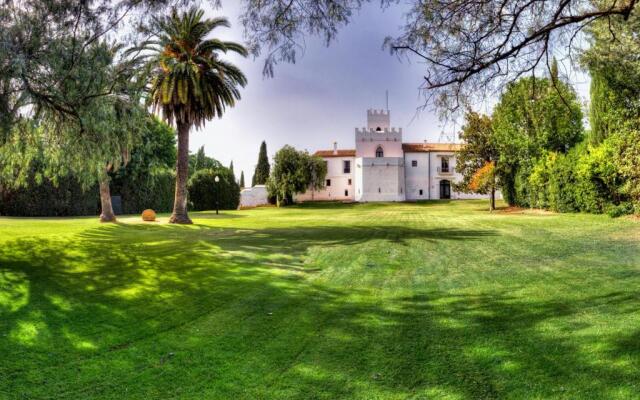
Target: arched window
pixel 379 152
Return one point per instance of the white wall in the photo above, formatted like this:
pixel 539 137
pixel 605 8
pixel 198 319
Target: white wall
pixel 382 179
pixel 339 182
pixel 416 178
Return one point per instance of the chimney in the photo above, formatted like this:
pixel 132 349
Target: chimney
pixel 335 148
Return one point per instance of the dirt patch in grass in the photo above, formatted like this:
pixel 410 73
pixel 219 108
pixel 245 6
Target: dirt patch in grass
pixel 521 210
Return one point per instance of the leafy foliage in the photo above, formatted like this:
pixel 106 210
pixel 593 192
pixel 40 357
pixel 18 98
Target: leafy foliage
pixel 205 192
pixel 294 172
pixel 46 198
pixel 478 151
pixel 201 161
pixel 483 179
pixel 148 181
pixel 190 83
pixel 263 169
pixel 533 116
pixel 47 45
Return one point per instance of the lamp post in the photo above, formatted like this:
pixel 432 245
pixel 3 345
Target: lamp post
pixel 217 180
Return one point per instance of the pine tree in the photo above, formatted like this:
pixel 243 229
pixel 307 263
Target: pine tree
pixel 261 173
pixel 241 179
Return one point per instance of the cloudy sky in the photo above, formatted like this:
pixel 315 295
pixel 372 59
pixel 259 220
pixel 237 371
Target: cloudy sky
pixel 321 98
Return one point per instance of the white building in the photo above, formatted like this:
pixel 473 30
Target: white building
pixel 383 168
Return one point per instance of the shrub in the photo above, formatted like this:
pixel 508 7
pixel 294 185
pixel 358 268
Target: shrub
pixel 66 197
pixel 625 208
pixel 585 179
pixel 204 191
pixel 155 190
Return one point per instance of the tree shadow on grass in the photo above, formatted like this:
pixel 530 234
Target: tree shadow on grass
pixel 161 311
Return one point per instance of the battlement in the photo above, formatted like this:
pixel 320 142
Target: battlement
pixel 372 111
pixel 378 119
pixel 373 132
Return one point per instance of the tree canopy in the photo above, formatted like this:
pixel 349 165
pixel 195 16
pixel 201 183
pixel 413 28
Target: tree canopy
pixel 476 160
pixel 295 172
pixel 470 48
pixel 533 115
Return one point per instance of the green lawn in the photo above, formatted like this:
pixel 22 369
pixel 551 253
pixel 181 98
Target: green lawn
pixel 390 301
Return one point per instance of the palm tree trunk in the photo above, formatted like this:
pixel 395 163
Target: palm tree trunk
pixel 106 209
pixel 179 215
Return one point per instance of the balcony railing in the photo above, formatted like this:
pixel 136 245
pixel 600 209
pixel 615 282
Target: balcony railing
pixel 443 170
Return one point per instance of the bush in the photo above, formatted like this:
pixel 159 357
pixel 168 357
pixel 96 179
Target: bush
pixel 585 179
pixel 204 191
pixel 625 208
pixel 66 197
pixel 155 190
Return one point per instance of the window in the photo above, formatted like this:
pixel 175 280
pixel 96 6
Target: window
pixel 414 163
pixel 328 182
pixel 349 182
pixel 420 192
pixel 346 166
pixel 445 164
pixel 346 193
pixel 379 152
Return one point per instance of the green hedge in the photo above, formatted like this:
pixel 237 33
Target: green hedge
pixel 155 191
pixel 46 199
pixel 583 180
pixel 67 198
pixel 204 191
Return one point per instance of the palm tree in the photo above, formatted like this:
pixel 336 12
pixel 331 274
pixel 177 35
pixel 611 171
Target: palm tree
pixel 190 83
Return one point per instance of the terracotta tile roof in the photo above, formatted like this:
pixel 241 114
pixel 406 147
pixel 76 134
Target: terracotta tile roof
pixel 426 147
pixel 339 153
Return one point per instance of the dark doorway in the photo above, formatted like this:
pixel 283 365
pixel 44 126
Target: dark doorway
pixel 445 189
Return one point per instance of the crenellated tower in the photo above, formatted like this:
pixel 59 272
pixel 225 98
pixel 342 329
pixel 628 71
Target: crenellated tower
pixel 379 159
pixel 378 119
pixel 378 135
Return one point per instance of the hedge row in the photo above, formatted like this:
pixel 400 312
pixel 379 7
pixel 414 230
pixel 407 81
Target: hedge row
pixel 585 179
pixel 155 191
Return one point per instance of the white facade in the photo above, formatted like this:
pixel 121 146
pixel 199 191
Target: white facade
pixel 382 168
pixel 340 180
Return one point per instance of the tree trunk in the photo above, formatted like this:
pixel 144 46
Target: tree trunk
pixel 106 209
pixel 492 204
pixel 179 215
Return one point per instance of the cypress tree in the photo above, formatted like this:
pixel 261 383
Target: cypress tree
pixel 241 179
pixel 201 159
pixel 233 175
pixel 262 171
